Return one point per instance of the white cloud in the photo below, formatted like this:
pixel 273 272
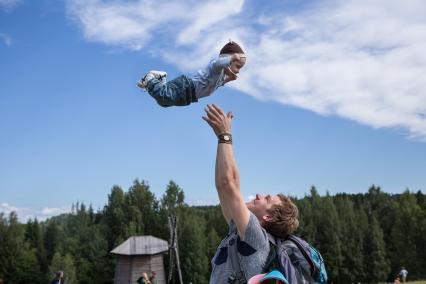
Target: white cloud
pixel 24 214
pixel 6 39
pixel 8 5
pixel 357 59
pixel 250 198
pixel 133 24
pixel 199 202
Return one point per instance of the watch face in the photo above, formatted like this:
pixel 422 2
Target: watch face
pixel 226 137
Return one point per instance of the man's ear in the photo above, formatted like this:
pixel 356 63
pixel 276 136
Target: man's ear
pixel 267 218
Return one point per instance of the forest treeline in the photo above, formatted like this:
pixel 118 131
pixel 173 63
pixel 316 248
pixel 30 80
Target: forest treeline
pixel 364 237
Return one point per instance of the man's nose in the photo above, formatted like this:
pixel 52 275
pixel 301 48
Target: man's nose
pixel 258 196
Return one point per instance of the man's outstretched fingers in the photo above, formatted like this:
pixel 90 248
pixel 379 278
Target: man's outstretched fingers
pixel 213 112
pixel 217 109
pixel 208 121
pixel 213 117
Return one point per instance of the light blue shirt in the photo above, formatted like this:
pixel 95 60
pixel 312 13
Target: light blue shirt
pixel 207 80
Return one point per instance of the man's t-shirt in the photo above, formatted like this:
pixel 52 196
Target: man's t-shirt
pixel 252 252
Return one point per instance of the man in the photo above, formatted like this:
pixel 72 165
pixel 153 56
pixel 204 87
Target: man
pixel 244 251
pixel 403 273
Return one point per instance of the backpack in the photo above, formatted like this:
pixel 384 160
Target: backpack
pixel 297 260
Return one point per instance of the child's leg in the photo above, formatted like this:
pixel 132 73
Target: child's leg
pixel 177 92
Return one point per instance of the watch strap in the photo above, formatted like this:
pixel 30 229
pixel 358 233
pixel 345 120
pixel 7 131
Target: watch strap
pixel 225 138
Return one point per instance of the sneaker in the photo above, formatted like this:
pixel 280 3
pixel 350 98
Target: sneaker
pixel 159 75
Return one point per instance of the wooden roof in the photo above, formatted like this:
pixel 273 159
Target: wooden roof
pixel 141 245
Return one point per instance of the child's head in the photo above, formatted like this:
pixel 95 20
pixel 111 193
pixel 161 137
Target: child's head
pixel 232 48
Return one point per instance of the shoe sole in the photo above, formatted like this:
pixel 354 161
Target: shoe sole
pixel 142 84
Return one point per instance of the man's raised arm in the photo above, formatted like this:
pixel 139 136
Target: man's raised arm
pixel 227 176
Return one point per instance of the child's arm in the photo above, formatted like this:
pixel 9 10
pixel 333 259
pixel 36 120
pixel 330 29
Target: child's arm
pixel 220 63
pixel 224 61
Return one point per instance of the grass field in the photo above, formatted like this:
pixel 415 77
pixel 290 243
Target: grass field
pixel 413 282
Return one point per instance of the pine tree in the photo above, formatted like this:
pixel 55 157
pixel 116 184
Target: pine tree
pixel 12 246
pixel 192 248
pixel 376 263
pixel 27 267
pixel 51 239
pixel 404 234
pixel 66 265
pixel 34 237
pixel 328 232
pixel 352 239
pixel 115 218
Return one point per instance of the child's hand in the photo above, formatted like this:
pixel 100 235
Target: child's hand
pixel 230 76
pixel 237 57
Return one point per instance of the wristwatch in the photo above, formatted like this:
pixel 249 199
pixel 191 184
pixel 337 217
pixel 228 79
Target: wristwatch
pixel 225 138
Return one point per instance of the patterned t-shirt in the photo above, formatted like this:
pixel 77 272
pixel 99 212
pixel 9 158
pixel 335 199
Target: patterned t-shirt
pixel 252 252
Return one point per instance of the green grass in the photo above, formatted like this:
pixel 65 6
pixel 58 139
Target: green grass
pixel 413 282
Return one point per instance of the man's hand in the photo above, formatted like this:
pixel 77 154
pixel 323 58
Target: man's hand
pixel 218 121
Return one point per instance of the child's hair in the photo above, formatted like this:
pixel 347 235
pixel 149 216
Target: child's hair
pixel 231 47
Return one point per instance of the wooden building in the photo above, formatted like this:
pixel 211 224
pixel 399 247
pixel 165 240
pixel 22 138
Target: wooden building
pixel 138 255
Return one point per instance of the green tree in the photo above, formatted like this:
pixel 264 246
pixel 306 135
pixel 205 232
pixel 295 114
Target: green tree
pixel 52 239
pixel 64 264
pixel 34 236
pixel 382 206
pixel 27 267
pixel 115 218
pixel 143 208
pixel 307 227
pixel 192 248
pixel 12 246
pixel 421 244
pixel 352 235
pixel 328 232
pixel 376 263
pixel 404 234
pixel 173 199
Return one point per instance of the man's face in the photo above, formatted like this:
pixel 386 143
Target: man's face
pixel 260 204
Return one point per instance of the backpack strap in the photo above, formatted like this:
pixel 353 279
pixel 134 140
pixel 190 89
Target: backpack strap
pixel 314 269
pixel 271 261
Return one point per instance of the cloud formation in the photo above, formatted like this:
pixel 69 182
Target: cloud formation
pixel 24 214
pixel 9 5
pixel 357 59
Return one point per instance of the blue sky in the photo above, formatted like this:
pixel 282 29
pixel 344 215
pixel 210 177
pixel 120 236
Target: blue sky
pixel 333 95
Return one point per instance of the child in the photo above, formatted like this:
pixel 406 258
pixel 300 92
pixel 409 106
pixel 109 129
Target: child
pixel 184 90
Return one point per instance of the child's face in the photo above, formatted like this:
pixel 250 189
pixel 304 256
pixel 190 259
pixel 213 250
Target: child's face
pixel 234 69
pixel 237 65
